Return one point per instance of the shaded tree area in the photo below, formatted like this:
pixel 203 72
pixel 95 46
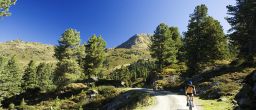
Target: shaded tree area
pixel 33 80
pixel 134 75
pixel 39 82
pixel 243 31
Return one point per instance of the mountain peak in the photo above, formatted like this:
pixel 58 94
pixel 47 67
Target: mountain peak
pixel 138 41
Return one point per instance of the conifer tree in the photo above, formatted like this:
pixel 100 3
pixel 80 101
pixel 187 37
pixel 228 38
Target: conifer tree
pixel 10 77
pixel 68 45
pixel 243 31
pixel 68 68
pixel 95 55
pixel 30 78
pixel 204 41
pixel 45 76
pixel 165 46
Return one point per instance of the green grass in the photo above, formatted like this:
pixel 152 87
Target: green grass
pixel 214 104
pixel 26 51
pixel 138 100
pixel 145 103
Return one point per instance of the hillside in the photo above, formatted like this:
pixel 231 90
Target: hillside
pixel 138 41
pixel 123 57
pixel 26 51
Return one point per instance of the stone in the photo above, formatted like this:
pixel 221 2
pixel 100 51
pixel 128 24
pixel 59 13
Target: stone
pixel 254 77
pixel 244 102
pixel 222 99
pixel 254 89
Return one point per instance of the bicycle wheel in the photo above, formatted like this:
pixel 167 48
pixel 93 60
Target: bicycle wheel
pixel 190 104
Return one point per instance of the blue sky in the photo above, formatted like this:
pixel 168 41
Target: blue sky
pixel 116 20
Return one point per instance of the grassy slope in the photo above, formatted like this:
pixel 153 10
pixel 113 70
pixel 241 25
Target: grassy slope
pixel 26 51
pixel 226 85
pixel 123 57
pixel 213 104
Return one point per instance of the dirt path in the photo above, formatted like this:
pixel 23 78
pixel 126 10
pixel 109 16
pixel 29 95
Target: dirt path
pixel 168 100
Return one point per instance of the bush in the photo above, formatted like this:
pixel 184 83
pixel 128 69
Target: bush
pixel 11 106
pixel 107 91
pixel 74 86
pixel 137 100
pixel 217 90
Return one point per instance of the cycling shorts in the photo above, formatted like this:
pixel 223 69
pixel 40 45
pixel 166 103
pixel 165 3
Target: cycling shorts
pixel 190 94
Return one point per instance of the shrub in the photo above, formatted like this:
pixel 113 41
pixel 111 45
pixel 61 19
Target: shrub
pixel 74 86
pixel 11 106
pixel 107 91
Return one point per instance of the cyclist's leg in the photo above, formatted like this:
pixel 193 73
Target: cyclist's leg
pixel 187 95
pixel 192 99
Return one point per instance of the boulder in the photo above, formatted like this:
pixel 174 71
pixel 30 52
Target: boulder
pixel 222 99
pixel 244 102
pixel 254 89
pixel 254 77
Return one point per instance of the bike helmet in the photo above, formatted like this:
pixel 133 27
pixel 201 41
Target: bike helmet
pixel 190 83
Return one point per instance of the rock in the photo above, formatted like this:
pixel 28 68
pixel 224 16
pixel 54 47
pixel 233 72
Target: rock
pixel 254 77
pixel 234 102
pixel 254 89
pixel 244 102
pixel 222 99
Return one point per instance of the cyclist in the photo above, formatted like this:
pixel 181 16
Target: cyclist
pixel 190 91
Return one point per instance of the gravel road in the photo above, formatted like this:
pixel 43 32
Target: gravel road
pixel 167 100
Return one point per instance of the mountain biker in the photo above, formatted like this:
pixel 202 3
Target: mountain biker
pixel 190 91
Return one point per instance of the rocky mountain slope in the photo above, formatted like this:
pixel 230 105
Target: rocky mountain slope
pixel 138 41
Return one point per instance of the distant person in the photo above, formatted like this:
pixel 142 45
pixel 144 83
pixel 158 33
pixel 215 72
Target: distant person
pixel 190 91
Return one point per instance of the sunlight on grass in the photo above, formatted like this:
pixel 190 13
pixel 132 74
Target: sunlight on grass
pixel 214 104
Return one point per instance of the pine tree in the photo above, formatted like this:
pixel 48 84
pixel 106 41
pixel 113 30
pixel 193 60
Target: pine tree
pixel 23 104
pixel 30 78
pixel 45 76
pixel 3 78
pixel 11 106
pixel 67 71
pixel 95 55
pixel 204 41
pixel 165 46
pixel 4 7
pixel 68 53
pixel 10 77
pixel 243 22
pixel 68 45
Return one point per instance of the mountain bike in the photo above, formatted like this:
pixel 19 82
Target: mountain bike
pixel 190 102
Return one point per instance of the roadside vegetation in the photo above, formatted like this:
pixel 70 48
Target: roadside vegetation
pixel 214 104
